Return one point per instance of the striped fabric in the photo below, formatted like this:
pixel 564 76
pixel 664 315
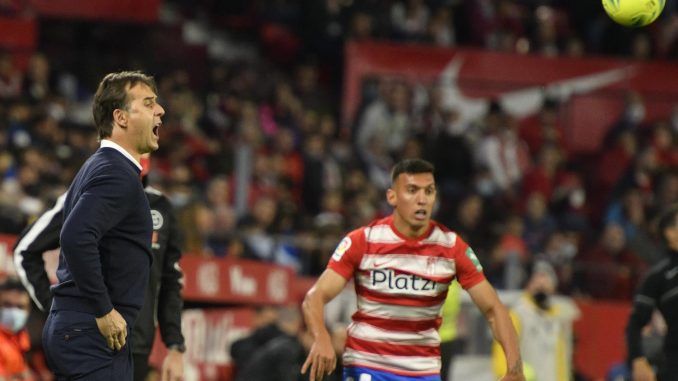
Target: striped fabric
pixel 401 285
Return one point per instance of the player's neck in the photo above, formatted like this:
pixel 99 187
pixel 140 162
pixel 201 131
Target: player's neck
pixel 407 230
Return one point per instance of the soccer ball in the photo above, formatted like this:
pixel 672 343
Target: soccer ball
pixel 634 13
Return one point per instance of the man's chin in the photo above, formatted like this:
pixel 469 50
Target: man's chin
pixel 418 224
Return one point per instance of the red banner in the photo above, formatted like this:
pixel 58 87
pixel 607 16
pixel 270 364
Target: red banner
pixel 236 281
pixel 18 34
pixel 209 335
pixel 117 10
pixel 599 337
pixel 595 87
pixel 6 255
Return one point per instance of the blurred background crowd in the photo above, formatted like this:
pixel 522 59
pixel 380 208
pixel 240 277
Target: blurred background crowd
pixel 259 164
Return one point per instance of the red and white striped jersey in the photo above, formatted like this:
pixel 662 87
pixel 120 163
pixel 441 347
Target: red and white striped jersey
pixel 401 284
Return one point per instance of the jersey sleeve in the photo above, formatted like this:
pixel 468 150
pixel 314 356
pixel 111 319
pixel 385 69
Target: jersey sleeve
pixel 348 254
pixel 468 267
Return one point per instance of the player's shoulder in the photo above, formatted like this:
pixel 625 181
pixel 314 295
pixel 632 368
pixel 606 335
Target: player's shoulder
pixel 157 198
pixel 443 236
pixel 379 231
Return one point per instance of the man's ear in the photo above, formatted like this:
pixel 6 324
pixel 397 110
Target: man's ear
pixel 391 197
pixel 120 117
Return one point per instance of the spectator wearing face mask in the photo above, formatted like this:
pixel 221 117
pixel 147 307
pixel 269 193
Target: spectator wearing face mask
pixel 14 341
pixel 544 326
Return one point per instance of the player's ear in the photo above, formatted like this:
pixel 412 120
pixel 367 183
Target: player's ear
pixel 391 197
pixel 120 117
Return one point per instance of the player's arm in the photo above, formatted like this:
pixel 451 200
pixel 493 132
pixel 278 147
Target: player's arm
pixel 498 356
pixel 641 314
pixel 41 236
pixel 170 303
pixel 485 298
pixel 321 359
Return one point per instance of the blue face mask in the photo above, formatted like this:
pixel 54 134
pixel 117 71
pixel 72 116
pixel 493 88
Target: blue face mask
pixel 13 318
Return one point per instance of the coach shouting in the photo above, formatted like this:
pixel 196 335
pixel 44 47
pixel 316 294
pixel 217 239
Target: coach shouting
pixel 105 254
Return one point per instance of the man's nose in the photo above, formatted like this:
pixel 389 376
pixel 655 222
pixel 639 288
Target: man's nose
pixel 160 111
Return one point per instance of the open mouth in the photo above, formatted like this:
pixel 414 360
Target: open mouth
pixel 156 130
pixel 420 214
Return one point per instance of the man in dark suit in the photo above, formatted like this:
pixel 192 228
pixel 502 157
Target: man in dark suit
pixel 105 256
pixel 163 303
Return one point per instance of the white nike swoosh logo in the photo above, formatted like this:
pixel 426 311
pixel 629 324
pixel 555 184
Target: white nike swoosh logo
pixel 671 273
pixel 522 102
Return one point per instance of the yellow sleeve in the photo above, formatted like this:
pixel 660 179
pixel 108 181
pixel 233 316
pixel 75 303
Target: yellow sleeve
pixel 498 358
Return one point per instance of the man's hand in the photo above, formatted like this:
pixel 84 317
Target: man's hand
pixel 642 371
pixel 113 328
pixel 173 366
pixel 321 359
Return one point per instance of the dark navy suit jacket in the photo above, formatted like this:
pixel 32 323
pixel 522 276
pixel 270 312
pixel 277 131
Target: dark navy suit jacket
pixel 105 240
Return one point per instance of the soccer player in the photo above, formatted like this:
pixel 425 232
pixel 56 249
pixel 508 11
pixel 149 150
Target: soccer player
pixel 658 290
pixel 402 266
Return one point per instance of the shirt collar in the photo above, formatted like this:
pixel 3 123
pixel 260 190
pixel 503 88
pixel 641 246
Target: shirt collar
pixel 105 143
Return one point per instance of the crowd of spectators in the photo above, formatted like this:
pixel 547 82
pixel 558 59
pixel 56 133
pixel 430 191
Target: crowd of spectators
pixel 258 166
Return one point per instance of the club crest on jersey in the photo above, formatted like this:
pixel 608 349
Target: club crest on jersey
pixel 157 218
pixel 342 248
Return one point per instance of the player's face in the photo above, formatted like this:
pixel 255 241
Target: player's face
pixel 144 118
pixel 413 197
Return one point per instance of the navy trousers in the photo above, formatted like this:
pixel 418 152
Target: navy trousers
pixel 76 350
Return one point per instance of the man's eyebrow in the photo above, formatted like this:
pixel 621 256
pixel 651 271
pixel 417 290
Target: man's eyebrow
pixel 432 185
pixel 152 98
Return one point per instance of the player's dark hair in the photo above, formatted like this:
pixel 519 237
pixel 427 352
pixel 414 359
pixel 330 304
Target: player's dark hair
pixel 667 220
pixel 12 284
pixel 411 166
pixel 112 94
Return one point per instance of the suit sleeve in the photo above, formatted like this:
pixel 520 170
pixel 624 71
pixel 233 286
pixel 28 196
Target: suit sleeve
pixel 102 205
pixel 644 303
pixel 170 303
pixel 39 237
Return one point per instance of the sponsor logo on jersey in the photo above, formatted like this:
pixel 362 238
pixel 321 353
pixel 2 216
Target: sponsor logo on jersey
pixel 393 281
pixel 341 249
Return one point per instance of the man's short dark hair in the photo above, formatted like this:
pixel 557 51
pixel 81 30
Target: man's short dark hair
pixel 112 94
pixel 411 166
pixel 11 284
pixel 667 220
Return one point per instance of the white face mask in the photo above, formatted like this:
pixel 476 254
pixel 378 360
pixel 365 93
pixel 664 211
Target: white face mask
pixel 13 318
pixel 636 113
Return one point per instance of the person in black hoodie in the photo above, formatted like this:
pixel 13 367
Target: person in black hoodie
pixel 280 359
pixel 657 291
pixel 265 329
